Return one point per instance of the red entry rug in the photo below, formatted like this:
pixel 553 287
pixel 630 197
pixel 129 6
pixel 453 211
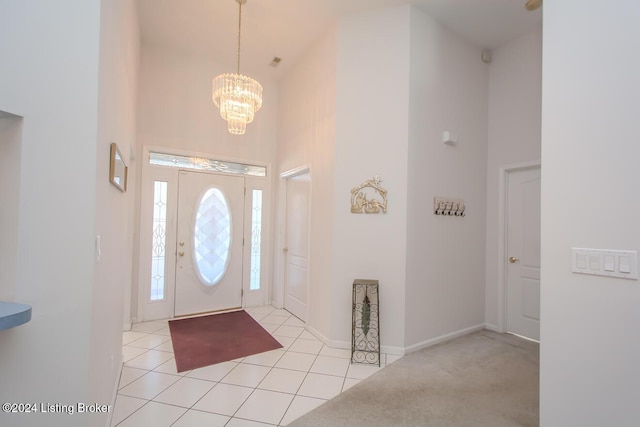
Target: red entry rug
pixel 207 340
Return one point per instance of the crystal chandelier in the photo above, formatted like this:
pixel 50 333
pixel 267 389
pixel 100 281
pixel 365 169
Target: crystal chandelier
pixel 237 96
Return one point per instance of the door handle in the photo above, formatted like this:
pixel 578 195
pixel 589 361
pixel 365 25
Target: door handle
pixel 513 259
pixel 285 250
pixel 181 253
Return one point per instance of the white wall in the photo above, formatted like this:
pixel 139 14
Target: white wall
pixel 175 108
pixel 52 82
pixel 119 57
pixel 515 98
pixel 175 111
pixel 445 255
pixel 590 325
pixel 306 137
pixel 10 146
pixel 372 116
pixel 355 107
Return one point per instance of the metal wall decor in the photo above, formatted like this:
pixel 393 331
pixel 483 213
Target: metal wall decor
pixel 365 330
pixel 369 197
pixel 449 207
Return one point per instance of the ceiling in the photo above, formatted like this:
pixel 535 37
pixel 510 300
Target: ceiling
pixel 286 28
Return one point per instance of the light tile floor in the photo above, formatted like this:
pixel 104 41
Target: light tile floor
pixel 267 389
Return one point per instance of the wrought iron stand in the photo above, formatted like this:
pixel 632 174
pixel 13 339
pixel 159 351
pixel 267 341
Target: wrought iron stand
pixel 365 331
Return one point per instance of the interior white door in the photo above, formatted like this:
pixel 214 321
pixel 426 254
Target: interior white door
pixel 523 252
pixel 297 246
pixel 209 243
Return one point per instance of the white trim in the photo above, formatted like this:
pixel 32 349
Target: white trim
pixel 524 338
pixel 443 338
pixel 491 327
pixel 179 152
pixel 278 296
pixel 346 345
pixel 149 173
pixel 114 393
pixel 324 338
pixel 257 297
pixel 396 351
pixel 300 170
pixel 399 351
pixel 146 309
pixel 504 172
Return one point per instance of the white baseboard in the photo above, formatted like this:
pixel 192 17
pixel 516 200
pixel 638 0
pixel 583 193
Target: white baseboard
pixel 346 345
pixel 442 338
pixel 396 351
pixel 325 339
pixel 493 328
pixel 276 305
pixel 126 326
pixel 114 393
pixel 399 351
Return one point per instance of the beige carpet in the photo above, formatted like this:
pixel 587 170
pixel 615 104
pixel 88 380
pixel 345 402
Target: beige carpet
pixel 481 379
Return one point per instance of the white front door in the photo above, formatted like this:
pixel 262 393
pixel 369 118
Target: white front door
pixel 523 253
pixel 297 246
pixel 209 243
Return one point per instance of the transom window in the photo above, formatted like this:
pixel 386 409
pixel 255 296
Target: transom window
pixel 202 163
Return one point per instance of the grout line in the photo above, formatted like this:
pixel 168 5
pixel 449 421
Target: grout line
pixel 253 389
pixel 123 420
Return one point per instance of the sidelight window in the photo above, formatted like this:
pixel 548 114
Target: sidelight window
pixel 159 233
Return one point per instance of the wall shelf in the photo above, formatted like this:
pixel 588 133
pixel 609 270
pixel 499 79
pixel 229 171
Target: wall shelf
pixel 13 314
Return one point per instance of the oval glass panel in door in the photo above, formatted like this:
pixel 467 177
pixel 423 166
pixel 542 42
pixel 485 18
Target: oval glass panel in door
pixel 212 237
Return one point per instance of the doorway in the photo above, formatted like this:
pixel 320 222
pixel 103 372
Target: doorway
pixel 204 235
pixel 210 243
pixel 296 249
pixel 521 255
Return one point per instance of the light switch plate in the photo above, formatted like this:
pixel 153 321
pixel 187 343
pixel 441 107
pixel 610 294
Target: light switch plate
pixel 605 262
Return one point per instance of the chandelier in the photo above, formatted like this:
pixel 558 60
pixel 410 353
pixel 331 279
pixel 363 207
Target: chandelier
pixel 238 96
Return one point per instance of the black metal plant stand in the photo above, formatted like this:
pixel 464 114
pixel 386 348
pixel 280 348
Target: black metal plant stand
pixel 365 332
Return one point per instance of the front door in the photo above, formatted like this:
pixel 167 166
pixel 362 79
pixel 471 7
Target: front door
pixel 523 252
pixel 296 252
pixel 209 243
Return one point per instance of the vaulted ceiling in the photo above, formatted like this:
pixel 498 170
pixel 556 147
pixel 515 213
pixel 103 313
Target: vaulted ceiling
pixel 286 28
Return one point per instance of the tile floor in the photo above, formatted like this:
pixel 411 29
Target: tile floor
pixel 267 389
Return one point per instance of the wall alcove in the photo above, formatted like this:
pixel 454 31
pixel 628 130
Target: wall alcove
pixel 10 146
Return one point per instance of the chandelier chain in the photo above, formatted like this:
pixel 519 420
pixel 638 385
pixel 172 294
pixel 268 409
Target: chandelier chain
pixel 237 96
pixel 239 31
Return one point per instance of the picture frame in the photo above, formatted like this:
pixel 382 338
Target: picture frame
pixel 118 169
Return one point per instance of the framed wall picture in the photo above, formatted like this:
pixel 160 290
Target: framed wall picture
pixel 118 169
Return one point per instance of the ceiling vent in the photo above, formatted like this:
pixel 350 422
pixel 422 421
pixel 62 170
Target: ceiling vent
pixel 275 61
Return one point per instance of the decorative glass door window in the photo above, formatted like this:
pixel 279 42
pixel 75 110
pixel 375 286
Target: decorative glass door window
pixel 212 237
pixel 159 233
pixel 256 239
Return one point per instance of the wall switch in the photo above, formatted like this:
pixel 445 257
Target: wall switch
pixel 604 262
pixel 609 263
pixel 624 264
pixel 581 261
